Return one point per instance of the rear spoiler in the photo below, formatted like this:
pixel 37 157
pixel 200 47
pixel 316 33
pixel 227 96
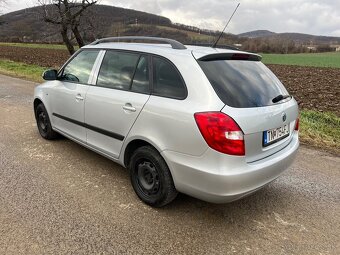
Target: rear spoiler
pixel 231 56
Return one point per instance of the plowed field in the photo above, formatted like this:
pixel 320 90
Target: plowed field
pixel 42 57
pixel 314 88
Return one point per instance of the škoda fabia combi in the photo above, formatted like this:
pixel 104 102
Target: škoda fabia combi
pixel 215 124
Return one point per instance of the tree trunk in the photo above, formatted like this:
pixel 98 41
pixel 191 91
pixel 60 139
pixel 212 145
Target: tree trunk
pixel 77 35
pixel 67 17
pixel 67 41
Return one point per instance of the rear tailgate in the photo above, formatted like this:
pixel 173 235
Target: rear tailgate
pixel 254 97
pixel 255 121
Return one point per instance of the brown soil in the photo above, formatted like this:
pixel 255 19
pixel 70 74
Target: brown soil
pixel 314 88
pixel 42 57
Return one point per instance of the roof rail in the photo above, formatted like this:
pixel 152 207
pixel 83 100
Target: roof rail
pixel 174 44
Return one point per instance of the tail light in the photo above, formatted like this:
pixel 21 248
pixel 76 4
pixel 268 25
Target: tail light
pixel 297 124
pixel 221 132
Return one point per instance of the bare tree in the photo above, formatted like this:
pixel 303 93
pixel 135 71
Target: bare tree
pixel 67 14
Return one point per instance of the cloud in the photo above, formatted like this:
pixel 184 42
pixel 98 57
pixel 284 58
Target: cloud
pixel 303 16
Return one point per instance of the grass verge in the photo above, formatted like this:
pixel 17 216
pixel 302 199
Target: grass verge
pixel 320 129
pixel 21 70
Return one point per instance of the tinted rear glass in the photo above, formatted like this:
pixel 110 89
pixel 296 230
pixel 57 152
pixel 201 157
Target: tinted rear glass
pixel 141 79
pixel 167 82
pixel 243 84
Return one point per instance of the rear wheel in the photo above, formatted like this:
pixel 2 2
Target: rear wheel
pixel 44 124
pixel 151 178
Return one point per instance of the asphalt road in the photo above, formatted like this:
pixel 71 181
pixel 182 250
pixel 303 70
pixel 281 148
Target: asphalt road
pixel 60 198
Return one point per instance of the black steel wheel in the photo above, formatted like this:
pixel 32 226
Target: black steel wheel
pixel 43 123
pixel 151 178
pixel 147 177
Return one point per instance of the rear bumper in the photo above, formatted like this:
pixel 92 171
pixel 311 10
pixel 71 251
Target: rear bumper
pixel 219 178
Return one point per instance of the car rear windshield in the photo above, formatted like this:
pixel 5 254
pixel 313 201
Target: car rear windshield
pixel 243 84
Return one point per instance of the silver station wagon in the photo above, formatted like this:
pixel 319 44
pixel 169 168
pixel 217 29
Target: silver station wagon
pixel 215 124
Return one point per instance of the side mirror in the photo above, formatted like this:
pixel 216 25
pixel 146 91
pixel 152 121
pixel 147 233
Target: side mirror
pixel 50 75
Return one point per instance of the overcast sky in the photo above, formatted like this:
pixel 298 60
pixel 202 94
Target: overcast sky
pixel 319 17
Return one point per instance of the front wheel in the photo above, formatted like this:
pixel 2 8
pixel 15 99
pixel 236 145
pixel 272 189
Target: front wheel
pixel 44 123
pixel 151 178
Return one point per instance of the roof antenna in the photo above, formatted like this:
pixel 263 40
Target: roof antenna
pixel 215 43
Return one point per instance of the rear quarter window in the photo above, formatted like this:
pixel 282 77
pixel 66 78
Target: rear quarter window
pixel 167 81
pixel 243 84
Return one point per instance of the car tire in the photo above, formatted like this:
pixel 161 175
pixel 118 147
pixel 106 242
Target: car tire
pixel 151 178
pixel 44 123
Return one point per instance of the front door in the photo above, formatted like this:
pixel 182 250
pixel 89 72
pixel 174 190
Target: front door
pixel 69 92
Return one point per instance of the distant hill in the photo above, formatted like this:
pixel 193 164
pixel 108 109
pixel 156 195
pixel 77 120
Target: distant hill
pixel 257 34
pixel 298 38
pixel 100 21
pixel 311 39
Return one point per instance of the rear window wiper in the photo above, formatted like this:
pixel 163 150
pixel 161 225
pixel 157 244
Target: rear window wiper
pixel 279 98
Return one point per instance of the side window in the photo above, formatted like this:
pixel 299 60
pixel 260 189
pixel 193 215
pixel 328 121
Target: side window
pixel 141 79
pixel 117 70
pixel 80 67
pixel 167 81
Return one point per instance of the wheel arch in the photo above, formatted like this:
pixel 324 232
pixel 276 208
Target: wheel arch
pixel 132 146
pixel 36 102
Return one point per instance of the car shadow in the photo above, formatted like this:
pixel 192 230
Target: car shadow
pixel 272 198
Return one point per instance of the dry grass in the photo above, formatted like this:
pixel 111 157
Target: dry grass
pixel 320 129
pixel 21 70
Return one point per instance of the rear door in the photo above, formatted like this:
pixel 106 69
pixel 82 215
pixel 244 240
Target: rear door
pixel 252 93
pixel 69 92
pixel 114 103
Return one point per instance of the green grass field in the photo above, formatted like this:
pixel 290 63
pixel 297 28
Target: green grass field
pixel 330 59
pixel 36 45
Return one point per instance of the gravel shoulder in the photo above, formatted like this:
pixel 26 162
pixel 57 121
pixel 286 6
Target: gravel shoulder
pixel 58 197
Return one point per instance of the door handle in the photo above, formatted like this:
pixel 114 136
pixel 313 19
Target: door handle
pixel 129 107
pixel 79 97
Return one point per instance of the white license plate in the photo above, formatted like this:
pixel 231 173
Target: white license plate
pixel 276 134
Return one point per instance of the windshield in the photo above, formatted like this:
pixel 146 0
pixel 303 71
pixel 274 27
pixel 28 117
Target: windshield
pixel 243 84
